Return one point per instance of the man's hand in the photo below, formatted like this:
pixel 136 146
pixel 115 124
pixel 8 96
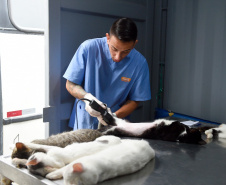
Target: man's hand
pixel 101 120
pixel 89 109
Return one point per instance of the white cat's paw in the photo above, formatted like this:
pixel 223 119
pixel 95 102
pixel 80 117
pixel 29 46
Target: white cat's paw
pixel 209 135
pixel 210 131
pixel 19 162
pixel 54 175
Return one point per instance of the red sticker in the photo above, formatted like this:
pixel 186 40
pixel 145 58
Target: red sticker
pixel 14 113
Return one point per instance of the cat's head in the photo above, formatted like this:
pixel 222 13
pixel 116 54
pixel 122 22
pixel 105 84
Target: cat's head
pixel 192 135
pixel 21 151
pixel 40 164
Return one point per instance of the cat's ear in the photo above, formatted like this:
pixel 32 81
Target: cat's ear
pixel 78 168
pixel 32 162
pixel 20 146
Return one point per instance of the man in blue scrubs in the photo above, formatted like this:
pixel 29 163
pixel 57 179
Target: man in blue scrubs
pixel 109 70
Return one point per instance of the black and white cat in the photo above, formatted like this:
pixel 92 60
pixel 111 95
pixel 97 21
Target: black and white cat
pixel 161 129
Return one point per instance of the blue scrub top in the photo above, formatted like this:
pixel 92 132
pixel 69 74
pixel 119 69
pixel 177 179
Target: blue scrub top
pixel 111 82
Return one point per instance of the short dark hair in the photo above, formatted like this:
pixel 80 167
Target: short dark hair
pixel 124 29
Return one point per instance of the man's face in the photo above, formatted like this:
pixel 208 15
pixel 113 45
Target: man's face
pixel 118 49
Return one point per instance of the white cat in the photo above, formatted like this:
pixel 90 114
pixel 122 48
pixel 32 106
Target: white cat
pixel 43 163
pixel 127 157
pixel 220 131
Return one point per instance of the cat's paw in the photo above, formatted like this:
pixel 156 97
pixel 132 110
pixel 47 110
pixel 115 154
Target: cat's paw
pixel 19 163
pixel 209 133
pixel 45 159
pixel 54 175
pixel 209 136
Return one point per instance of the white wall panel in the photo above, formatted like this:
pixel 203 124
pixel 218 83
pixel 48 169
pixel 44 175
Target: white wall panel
pixel 196 59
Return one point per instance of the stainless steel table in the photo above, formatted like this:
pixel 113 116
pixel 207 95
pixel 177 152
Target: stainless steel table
pixel 175 163
pixel 22 176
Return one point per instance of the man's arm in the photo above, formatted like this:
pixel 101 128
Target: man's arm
pixel 78 92
pixel 75 90
pixel 127 109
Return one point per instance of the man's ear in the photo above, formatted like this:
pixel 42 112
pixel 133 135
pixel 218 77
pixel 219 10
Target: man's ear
pixel 135 43
pixel 108 37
